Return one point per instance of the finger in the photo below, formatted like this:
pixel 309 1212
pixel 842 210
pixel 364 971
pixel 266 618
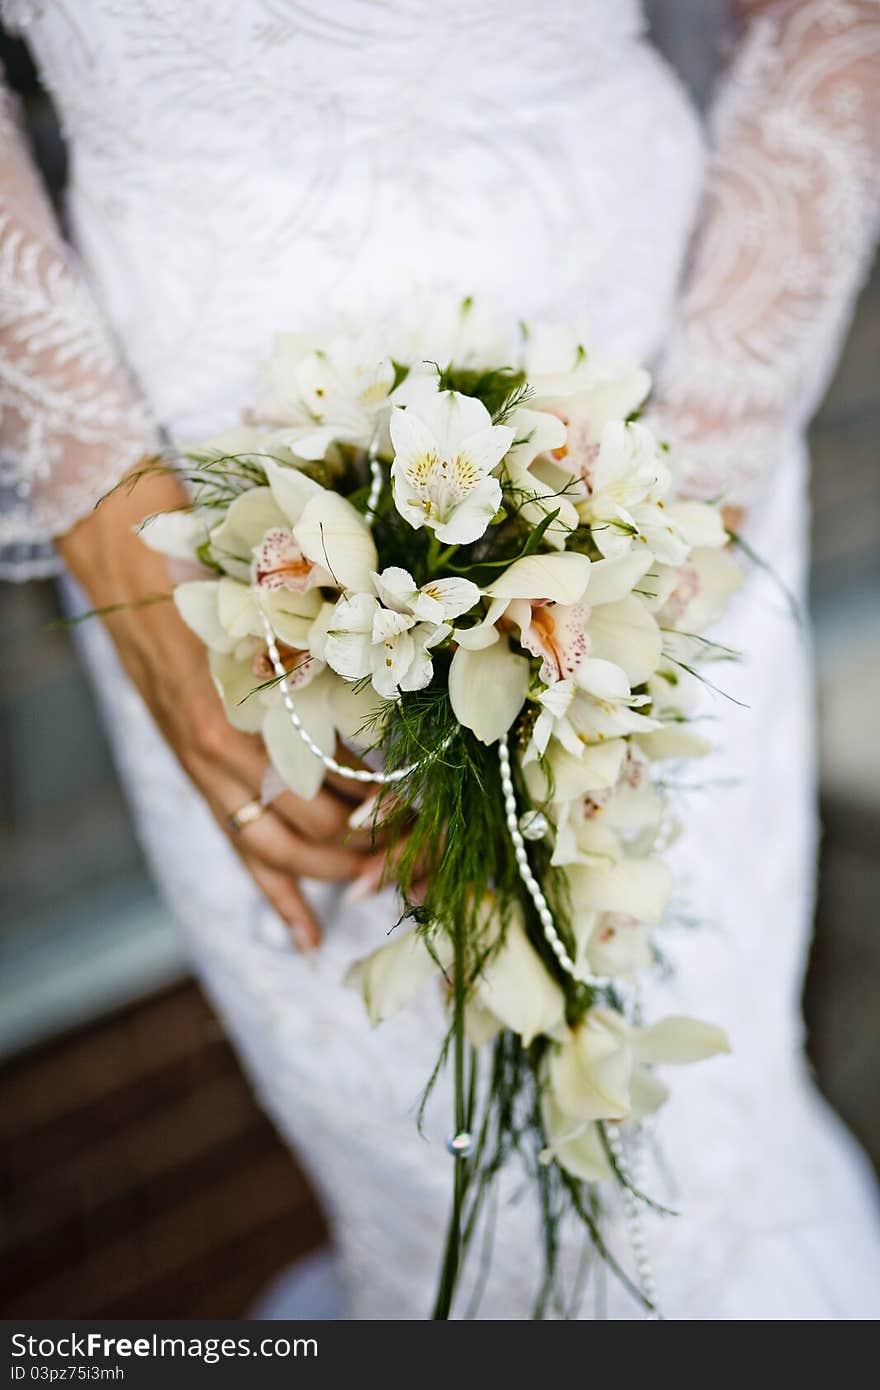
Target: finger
pixel 322 817
pixel 325 818
pixel 288 900
pixel 272 841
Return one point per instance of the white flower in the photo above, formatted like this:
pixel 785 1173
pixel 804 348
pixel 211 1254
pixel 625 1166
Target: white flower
pixel 626 484
pixel 319 395
pixel 227 616
pixel 435 602
pixel 392 648
pixel 511 988
pixel 442 328
pixel 559 578
pixel 601 1072
pixel 443 461
pixel 529 466
pixel 487 687
pixel 294 533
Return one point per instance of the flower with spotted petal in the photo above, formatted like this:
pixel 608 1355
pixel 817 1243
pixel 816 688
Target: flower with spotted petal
pixel 443 462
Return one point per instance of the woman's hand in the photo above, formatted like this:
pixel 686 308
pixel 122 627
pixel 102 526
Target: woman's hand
pixel 168 665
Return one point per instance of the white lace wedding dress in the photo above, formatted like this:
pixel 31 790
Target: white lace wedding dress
pixel 236 169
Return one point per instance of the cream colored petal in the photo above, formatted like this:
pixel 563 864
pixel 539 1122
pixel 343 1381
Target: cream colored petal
pixel 589 1076
pixel 291 488
pixel 699 523
pixel 487 689
pixel 238 686
pixel 674 741
pixel 638 887
pixel 597 769
pixel 197 604
pixel 626 634
pixel 559 578
pixel 237 609
pixel 176 534
pixel 296 764
pixel 356 710
pixel 331 533
pixel 480 1024
pixel 248 519
pixel 516 987
pixel 676 1041
pixel 293 615
pixel 393 975
pixel 647 1093
pixel 576 1147
pixel 613 580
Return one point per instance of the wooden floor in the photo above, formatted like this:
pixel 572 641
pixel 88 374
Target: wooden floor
pixel 137 1176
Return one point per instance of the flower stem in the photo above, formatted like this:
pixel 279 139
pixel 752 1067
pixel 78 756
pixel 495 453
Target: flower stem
pixel 463 1105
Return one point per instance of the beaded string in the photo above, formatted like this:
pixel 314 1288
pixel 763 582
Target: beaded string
pixel 554 940
pixel 354 774
pixel 376 479
pixel 633 1206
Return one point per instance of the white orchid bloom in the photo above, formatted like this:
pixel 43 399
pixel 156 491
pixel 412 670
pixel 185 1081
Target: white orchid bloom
pixel 443 462
pixel 227 616
pixel 438 601
pixel 605 879
pixel 593 707
pixel 392 648
pixel 179 535
pixel 315 396
pixel 511 989
pixel 613 944
pixel 541 595
pixel 699 591
pixel 591 827
pixel 393 975
pixel 563 777
pixel 294 534
pixel 601 1072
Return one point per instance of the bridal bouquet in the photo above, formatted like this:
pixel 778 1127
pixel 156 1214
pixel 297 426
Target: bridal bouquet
pixel 484 576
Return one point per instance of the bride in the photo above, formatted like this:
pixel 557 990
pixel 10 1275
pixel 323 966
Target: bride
pixel 241 169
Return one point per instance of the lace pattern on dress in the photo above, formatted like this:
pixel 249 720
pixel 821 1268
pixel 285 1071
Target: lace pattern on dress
pixel 70 422
pixel 784 241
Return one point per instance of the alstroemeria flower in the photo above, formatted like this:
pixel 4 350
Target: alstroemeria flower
pixel 601 1072
pixel 443 462
pixel 318 395
pixel 438 601
pixel 393 649
pixel 626 485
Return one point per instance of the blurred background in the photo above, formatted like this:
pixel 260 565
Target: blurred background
pixel 137 1176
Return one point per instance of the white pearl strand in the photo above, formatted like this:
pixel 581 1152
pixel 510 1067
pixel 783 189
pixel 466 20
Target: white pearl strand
pixel 376 480
pixel 554 940
pixel 354 774
pixel 633 1206
pixel 634 1213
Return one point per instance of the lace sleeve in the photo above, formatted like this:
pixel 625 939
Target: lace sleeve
pixel 70 421
pixel 783 244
